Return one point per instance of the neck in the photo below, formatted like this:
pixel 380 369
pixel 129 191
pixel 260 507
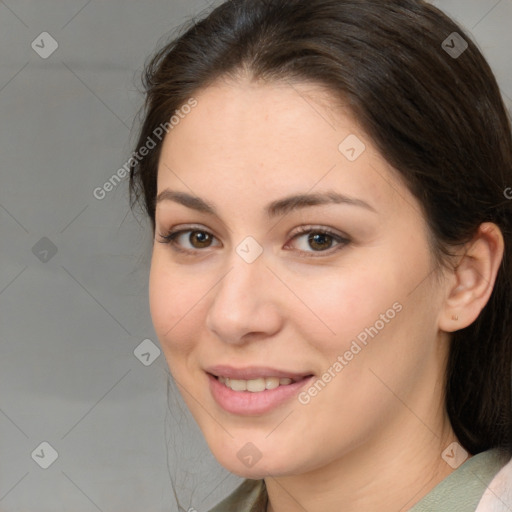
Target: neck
pixel 389 475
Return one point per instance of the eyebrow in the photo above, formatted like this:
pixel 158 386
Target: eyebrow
pixel 273 209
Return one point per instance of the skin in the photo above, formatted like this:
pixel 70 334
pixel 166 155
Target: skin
pixel 372 438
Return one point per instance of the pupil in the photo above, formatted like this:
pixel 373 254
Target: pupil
pixel 201 237
pixel 321 240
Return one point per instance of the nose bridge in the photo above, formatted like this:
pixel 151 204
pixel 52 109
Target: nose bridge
pixel 247 268
pixel 241 302
pixel 237 292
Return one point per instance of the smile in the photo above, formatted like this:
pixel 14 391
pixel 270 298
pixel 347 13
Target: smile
pixel 255 385
pixel 254 391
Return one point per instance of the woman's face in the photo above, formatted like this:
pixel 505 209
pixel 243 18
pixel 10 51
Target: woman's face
pixel 335 291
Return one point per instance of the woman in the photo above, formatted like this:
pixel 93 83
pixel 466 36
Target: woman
pixel 330 279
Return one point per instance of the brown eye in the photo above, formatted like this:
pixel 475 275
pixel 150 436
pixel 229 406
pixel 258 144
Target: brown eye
pixel 315 241
pixel 199 239
pixel 320 241
pixel 188 240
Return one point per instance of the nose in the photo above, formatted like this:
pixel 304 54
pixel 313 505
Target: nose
pixel 244 304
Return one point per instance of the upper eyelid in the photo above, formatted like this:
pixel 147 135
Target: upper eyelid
pixel 342 239
pixel 300 230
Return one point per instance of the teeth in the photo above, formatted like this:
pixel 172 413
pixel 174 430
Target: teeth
pixel 255 385
pixel 272 383
pixel 238 385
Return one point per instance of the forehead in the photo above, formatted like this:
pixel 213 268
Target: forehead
pixel 278 138
pixel 252 114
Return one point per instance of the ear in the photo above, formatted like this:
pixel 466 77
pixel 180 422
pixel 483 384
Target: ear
pixel 470 284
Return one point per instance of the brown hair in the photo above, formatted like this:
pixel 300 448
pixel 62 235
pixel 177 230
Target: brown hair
pixel 437 117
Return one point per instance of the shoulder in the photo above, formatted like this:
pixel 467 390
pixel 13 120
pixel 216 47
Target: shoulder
pixel 247 497
pixel 463 490
pixel 486 480
pixel 498 495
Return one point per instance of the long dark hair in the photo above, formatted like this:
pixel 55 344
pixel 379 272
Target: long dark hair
pixel 431 106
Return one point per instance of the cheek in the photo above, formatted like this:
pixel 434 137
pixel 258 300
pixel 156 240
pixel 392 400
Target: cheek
pixel 174 301
pixel 375 326
pixel 339 305
pixel 363 317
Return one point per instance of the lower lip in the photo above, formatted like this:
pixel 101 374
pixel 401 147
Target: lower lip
pixel 247 403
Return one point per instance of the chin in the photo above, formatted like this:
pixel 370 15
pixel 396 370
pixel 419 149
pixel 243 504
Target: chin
pixel 240 463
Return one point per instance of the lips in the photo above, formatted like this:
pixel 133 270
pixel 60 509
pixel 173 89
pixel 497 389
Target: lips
pixel 254 390
pixel 255 372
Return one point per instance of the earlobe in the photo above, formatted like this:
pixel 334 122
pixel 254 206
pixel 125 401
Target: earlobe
pixel 473 279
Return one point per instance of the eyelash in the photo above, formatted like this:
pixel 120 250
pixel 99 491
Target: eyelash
pixel 170 239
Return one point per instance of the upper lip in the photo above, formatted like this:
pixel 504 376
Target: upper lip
pixel 254 372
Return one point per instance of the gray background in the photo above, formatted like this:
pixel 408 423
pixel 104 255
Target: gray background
pixel 74 269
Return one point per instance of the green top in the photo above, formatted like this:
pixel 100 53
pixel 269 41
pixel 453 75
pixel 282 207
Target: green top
pixel 458 492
